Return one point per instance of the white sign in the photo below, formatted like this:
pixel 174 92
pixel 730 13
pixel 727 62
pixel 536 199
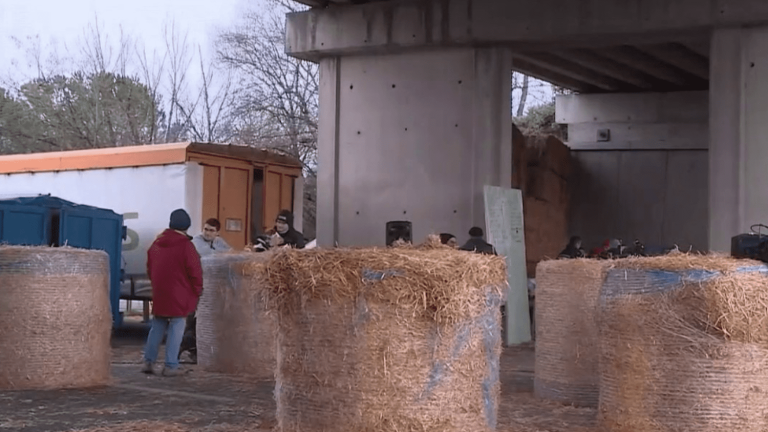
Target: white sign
pixel 506 232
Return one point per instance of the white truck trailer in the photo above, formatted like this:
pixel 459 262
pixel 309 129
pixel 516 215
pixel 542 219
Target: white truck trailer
pixel 241 186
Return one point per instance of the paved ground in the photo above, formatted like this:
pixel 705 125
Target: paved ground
pixel 202 401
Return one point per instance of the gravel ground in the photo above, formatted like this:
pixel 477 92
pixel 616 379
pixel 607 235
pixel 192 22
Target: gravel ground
pixel 203 401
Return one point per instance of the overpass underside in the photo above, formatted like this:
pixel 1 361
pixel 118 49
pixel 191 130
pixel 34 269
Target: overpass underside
pixel 414 99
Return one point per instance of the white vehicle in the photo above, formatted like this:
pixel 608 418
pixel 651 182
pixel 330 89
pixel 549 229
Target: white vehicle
pixel 241 186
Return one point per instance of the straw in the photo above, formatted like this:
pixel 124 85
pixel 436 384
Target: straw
pixel 566 335
pixel 55 319
pixel 684 344
pixel 398 339
pixel 234 333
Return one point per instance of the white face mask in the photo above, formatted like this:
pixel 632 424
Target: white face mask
pixel 281 227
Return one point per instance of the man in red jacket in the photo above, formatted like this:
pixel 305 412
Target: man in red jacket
pixel 174 268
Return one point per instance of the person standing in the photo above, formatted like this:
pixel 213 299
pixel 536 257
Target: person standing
pixel 174 269
pixel 209 242
pixel 477 243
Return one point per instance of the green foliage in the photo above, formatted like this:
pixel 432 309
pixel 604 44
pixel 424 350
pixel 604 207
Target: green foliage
pixel 77 111
pixel 540 120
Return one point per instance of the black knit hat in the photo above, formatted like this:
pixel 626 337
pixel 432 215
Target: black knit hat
pixel 286 216
pixel 180 220
pixel 476 232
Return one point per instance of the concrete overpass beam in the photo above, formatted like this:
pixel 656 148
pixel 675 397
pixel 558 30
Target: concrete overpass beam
pixel 574 71
pixel 414 137
pixel 681 57
pixel 738 132
pixel 633 57
pixel 608 67
pixel 520 25
pixel 523 66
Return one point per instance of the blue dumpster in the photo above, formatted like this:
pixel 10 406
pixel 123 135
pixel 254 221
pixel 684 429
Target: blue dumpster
pixel 47 220
pixel 27 225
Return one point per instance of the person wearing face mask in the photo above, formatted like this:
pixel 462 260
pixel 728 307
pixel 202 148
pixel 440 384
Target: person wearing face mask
pixel 288 236
pixel 449 240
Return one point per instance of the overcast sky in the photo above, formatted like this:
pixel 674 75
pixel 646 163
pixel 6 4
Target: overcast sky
pixel 63 21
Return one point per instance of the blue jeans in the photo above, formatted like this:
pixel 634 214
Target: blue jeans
pixel 175 327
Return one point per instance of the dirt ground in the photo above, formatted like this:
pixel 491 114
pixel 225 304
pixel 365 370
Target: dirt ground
pixel 203 401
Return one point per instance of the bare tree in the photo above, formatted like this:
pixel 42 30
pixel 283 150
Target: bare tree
pixel 151 71
pixel 278 103
pixel 523 96
pixel 275 87
pixel 99 55
pixel 179 61
pixel 209 117
pixel 44 60
pixel 520 86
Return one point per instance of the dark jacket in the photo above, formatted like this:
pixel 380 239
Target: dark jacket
pixel 174 268
pixel 293 238
pixel 479 245
pixel 572 252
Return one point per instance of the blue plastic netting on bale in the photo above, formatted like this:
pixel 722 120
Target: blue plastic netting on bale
pixel 683 345
pixel 397 339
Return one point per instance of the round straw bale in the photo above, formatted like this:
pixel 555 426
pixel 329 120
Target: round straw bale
pixel 399 339
pixel 234 332
pixel 55 319
pixel 566 335
pixel 683 345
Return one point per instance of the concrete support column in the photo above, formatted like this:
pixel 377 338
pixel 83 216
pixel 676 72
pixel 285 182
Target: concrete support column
pixel 413 136
pixel 738 152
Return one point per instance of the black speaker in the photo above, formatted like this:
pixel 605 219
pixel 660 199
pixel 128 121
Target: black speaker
pixel 748 245
pixel 399 230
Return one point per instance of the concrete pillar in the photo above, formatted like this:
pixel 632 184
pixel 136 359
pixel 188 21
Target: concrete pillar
pixel 413 136
pixel 738 154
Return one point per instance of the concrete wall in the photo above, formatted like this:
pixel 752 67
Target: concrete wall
pixel 411 137
pixel 738 127
pixel 659 197
pixel 649 180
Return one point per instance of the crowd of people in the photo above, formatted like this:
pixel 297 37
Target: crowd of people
pixel 611 248
pixel 176 274
pixel 476 242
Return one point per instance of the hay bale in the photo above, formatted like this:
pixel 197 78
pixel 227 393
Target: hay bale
pixel 234 332
pixel 684 345
pixel 566 331
pixel 400 339
pixel 55 318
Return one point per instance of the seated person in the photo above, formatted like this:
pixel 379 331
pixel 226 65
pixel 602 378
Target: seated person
pixel 573 250
pixel 449 240
pixel 477 243
pixel 288 236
